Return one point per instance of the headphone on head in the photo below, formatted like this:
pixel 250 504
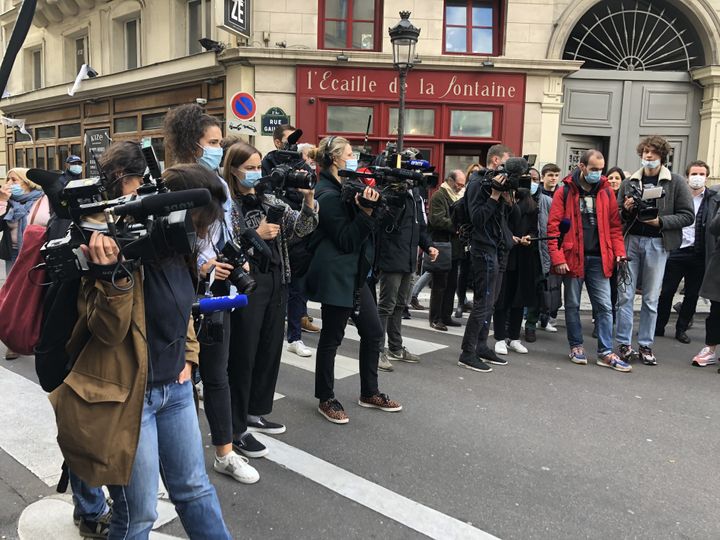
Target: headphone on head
pixel 326 159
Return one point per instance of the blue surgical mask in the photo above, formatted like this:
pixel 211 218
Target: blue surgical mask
pixel 650 165
pixel 593 177
pixel 351 164
pixel 16 190
pixel 533 188
pixel 252 179
pixel 75 169
pixel 211 157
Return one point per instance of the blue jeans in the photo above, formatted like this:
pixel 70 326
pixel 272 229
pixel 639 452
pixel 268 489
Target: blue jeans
pixel 90 503
pixel 296 310
pixel 646 257
pixel 598 287
pixel 420 284
pixel 170 444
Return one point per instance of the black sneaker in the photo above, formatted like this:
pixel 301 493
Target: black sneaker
pixel 264 426
pixel 647 356
pixel 491 358
pixel 475 364
pixel 250 446
pixel 627 354
pixel 96 529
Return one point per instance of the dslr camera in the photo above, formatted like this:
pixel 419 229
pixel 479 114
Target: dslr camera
pixel 149 226
pixel 292 172
pixel 646 201
pixel 233 254
pixel 516 173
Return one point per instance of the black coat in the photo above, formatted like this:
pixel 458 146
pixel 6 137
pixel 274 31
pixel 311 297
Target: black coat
pixel 490 230
pixel 342 245
pixel 403 230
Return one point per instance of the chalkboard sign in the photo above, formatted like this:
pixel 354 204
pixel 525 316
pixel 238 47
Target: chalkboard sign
pixel 96 141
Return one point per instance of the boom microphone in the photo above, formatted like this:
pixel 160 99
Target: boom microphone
pixel 163 204
pixel 294 137
pixel 220 303
pixel 52 185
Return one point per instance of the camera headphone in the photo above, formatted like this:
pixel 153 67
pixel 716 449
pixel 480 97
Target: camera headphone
pixel 326 159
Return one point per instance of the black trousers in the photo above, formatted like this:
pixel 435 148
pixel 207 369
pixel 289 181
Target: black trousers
pixel 485 273
pixel 682 263
pixel 712 324
pixel 334 321
pixel 507 319
pixel 463 278
pixel 442 293
pixel 216 386
pixel 256 343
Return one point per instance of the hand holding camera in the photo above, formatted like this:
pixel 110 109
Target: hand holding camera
pixel 268 231
pixel 102 250
pixel 369 194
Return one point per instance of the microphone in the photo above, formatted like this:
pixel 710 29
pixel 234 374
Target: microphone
pixel 401 174
pixel 564 228
pixel 219 303
pixel 294 137
pixel 419 163
pixel 163 204
pixel 52 185
pixel 543 238
pixel 250 236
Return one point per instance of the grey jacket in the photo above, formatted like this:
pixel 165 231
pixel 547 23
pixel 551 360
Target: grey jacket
pixel 544 203
pixel 676 208
pixel 711 208
pixel 710 288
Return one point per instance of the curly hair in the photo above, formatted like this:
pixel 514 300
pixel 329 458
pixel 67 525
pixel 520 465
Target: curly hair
pixel 657 143
pixel 184 127
pixel 121 159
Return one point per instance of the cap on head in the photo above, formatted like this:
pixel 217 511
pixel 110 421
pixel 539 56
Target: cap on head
pixel 73 159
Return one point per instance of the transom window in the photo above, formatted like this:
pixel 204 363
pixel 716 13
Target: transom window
pixel 471 27
pixel 350 24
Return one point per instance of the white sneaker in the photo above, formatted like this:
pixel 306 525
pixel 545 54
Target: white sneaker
pixel 299 348
pixel 549 327
pixel 501 347
pixel 200 391
pixel 517 346
pixel 238 467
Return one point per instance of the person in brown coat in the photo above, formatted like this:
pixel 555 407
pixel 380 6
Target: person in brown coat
pixel 125 413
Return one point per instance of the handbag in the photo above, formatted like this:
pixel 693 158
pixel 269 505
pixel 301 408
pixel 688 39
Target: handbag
pixel 21 297
pixel 443 263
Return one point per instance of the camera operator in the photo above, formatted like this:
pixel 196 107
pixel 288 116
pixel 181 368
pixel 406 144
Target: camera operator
pixel 402 230
pixel 130 387
pixel 648 242
pixel 337 277
pixel 490 242
pixel 257 331
pixel 280 139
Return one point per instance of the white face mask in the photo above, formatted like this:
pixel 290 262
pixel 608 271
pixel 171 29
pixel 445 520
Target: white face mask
pixel 696 181
pixel 650 165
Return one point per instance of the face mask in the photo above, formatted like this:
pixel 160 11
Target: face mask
pixel 252 178
pixel 75 169
pixel 211 157
pixel 533 188
pixel 351 164
pixel 16 190
pixel 650 165
pixel 593 177
pixel 696 181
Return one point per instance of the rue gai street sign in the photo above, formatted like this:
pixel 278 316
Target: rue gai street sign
pixel 238 17
pixel 273 118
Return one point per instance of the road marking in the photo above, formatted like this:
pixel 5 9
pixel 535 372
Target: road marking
pixel 344 366
pixel 414 515
pixel 424 324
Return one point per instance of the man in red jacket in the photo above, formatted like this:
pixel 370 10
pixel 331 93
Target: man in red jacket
pixel 588 252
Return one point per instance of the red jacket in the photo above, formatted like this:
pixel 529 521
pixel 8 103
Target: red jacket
pixel 610 234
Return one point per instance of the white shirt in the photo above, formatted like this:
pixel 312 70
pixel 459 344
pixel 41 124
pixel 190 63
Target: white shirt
pixel 688 233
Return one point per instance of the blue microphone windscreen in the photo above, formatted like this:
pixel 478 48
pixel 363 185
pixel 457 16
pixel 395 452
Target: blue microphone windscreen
pixel 222 303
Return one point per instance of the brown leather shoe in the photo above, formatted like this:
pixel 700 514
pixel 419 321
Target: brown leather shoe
pixel 307 326
pixel 438 326
pixel 415 304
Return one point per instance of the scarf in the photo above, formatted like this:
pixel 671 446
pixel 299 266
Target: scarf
pixel 18 210
pixel 454 197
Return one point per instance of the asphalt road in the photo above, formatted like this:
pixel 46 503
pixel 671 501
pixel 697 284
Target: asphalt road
pixel 539 449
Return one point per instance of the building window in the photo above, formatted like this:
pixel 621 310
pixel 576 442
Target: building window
pixel 81 52
pixel 471 27
pixel 132 43
pixel 36 62
pixel 343 119
pixel 417 121
pixel 471 123
pixel 69 130
pixel 45 133
pixel 199 23
pixel 125 125
pixel 350 24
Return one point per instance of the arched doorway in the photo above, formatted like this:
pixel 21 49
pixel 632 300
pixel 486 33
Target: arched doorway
pixel 635 81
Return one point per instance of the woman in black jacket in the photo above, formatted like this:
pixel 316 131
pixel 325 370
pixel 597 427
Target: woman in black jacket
pixel 337 278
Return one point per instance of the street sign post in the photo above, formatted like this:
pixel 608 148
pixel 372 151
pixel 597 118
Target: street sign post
pixel 273 118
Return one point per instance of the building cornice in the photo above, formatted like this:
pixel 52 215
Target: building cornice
pixel 163 74
pixel 291 57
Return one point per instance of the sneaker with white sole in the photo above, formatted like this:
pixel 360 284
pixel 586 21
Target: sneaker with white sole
pixel 517 346
pixel 384 364
pixel 299 348
pixel 613 361
pixel 577 355
pixel 404 355
pixel 705 357
pixel 236 466
pixel 549 327
pixel 501 347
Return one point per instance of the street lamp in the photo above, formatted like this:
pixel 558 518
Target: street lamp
pixel 404 37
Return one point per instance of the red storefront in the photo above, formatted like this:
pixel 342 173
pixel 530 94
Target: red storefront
pixel 453 117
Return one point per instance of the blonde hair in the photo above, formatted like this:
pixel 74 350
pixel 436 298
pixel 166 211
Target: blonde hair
pixel 21 172
pixel 328 149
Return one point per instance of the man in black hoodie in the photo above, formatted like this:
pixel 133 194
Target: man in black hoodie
pixel 280 137
pixel 491 240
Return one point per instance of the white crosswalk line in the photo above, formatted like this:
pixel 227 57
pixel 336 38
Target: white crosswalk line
pixel 344 366
pixel 424 324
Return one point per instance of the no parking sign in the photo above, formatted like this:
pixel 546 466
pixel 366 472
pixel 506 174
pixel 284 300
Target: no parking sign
pixel 243 106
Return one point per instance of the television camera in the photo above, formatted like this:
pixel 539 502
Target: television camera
pixel 646 201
